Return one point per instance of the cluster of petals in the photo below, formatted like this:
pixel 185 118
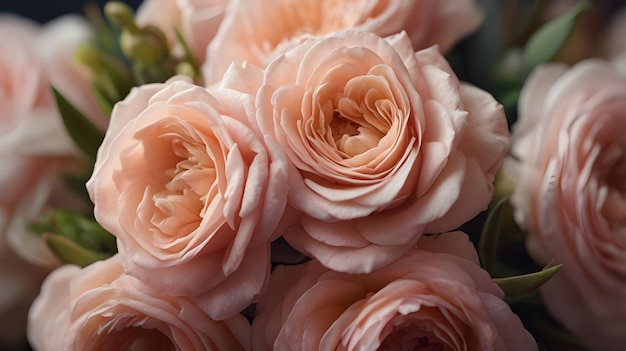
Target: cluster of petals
pixel 433 298
pixel 384 143
pixel 34 146
pixel 568 164
pixel 318 124
pixel 102 308
pixel 257 31
pixel 192 194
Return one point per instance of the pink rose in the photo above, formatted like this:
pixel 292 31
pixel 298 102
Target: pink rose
pixel 568 164
pixel 34 150
pixel 384 144
pixel 197 21
pixel 101 308
pixel 34 146
pixel 255 31
pixel 436 298
pixel 191 193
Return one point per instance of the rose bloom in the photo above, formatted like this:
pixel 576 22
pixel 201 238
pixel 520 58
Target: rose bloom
pixel 568 165
pixel 434 298
pixel 197 21
pixel 254 31
pixel 191 193
pixel 34 151
pixel 384 144
pixel 34 146
pixel 101 308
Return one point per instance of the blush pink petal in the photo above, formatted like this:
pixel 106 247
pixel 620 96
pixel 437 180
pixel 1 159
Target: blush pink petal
pixel 568 159
pixel 35 148
pixel 380 137
pixel 257 32
pixel 442 298
pixel 103 308
pixel 47 318
pixel 190 191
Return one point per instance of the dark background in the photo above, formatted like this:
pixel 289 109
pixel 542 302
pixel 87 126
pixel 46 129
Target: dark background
pixel 45 10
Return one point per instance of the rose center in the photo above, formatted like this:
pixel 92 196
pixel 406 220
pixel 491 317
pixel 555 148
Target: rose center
pixel 184 177
pixel 342 127
pixel 182 200
pixel 137 339
pixel 412 337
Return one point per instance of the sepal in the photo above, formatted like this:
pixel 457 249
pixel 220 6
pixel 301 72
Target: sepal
pixel 546 41
pixel 84 232
pixel 526 284
pixel 69 251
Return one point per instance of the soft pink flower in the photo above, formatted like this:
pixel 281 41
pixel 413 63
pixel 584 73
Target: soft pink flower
pixel 191 193
pixel 197 21
pixel 568 165
pixel 34 146
pixel 435 298
pixel 101 308
pixel 384 144
pixel 34 150
pixel 256 31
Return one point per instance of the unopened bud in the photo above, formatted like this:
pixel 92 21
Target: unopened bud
pixel 148 46
pixel 122 15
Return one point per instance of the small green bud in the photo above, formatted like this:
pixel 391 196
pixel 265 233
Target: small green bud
pixel 122 15
pixel 110 74
pixel 148 46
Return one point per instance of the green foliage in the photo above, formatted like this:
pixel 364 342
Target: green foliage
pixel 488 244
pixel 526 284
pixel 69 251
pixel 84 133
pixel 83 232
pixel 546 42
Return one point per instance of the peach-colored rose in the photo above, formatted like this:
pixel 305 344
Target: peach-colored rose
pixel 255 31
pixel 197 21
pixel 101 308
pixel 191 193
pixel 436 298
pixel 384 144
pixel 34 146
pixel 568 165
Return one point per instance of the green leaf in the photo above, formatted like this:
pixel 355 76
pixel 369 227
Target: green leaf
pixel 69 251
pixel 546 42
pixel 84 231
pixel 527 283
pixel 84 133
pixel 112 76
pixel 488 244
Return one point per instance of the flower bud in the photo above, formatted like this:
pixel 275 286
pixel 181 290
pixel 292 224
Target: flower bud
pixel 147 45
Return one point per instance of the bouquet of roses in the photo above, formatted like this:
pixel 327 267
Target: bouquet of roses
pixel 315 175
